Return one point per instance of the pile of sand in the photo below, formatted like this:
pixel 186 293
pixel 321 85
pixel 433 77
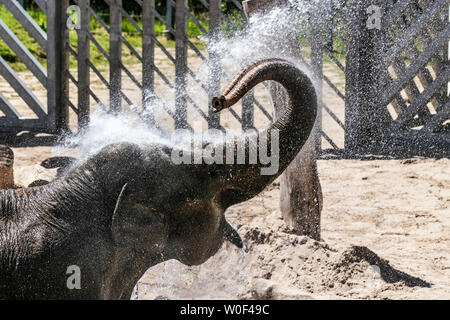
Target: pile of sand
pixel 278 264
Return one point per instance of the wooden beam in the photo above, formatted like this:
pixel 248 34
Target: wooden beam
pixel 27 22
pixel 366 120
pixel 83 65
pixel 148 61
pixel 23 53
pixel 21 89
pixel 215 68
pixel 115 55
pixel 57 56
pixel 181 34
pixel 6 167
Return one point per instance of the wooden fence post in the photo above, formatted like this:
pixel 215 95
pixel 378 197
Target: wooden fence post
pixel 301 193
pixel 57 66
pixel 115 56
pixel 316 41
pixel 6 167
pixel 83 65
pixel 215 70
pixel 181 33
pixel 366 120
pixel 148 60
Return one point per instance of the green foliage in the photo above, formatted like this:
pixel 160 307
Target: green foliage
pixel 130 33
pixel 34 48
pixel 236 18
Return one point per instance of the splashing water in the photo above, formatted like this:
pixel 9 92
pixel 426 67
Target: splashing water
pixel 105 129
pixel 217 278
pixel 274 34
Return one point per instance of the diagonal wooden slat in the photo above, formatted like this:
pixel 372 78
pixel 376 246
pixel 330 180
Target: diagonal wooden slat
pixel 425 96
pixel 393 13
pixel 329 140
pixel 42 4
pixel 399 66
pixel 26 21
pixel 412 31
pixel 7 108
pixel 334 59
pixel 22 52
pixel 333 87
pixel 333 115
pixel 238 4
pixel 191 16
pixel 437 119
pixel 425 38
pixel 23 91
pixel 410 87
pixel 412 70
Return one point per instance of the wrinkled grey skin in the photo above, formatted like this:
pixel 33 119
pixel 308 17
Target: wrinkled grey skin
pixel 129 207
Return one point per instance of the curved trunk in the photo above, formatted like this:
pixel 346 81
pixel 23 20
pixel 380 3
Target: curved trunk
pixel 241 182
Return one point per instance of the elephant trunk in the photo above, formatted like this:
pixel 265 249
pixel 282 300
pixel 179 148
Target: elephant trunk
pixel 293 127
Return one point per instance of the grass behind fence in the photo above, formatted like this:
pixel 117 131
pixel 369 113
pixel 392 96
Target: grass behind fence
pixel 130 33
pixel 101 35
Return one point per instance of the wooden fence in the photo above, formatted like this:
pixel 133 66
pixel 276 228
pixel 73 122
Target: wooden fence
pixel 396 76
pixel 49 117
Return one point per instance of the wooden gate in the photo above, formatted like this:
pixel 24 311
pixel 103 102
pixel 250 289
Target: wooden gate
pixel 398 77
pixel 49 117
pixel 150 70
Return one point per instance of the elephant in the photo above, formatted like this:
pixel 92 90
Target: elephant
pixel 129 207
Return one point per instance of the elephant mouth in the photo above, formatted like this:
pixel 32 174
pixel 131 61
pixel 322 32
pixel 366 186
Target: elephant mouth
pixel 231 235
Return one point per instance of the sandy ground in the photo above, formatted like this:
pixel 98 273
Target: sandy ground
pixel 385 226
pixel 385 231
pixel 385 235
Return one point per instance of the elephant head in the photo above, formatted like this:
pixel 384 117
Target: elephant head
pixel 129 207
pixel 179 209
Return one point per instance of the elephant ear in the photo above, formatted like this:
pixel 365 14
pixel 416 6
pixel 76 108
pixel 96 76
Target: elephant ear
pixel 135 223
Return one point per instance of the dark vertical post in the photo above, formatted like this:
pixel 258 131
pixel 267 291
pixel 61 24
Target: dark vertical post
pixel 248 101
pixel 115 55
pixel 327 14
pixel 248 111
pixel 366 120
pixel 181 64
pixel 215 69
pixel 316 41
pixel 169 20
pixel 58 62
pixel 446 54
pixel 148 60
pixel 83 66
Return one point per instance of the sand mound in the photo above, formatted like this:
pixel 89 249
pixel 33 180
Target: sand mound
pixel 277 264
